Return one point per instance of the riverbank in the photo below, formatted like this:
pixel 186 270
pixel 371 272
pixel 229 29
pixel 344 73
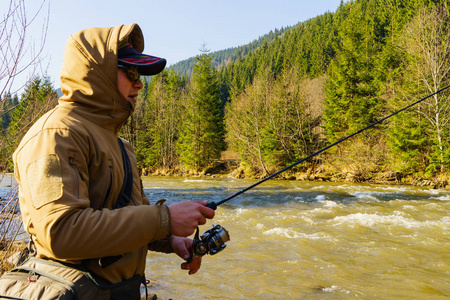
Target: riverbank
pixel 12 253
pixel 352 174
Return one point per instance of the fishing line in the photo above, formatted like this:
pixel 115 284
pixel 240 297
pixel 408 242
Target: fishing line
pixel 214 205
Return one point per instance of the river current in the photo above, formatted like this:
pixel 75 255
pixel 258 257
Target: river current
pixel 312 240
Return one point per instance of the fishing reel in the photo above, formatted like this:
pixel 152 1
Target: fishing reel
pixel 211 242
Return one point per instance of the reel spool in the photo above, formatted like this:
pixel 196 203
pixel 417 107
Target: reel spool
pixel 211 242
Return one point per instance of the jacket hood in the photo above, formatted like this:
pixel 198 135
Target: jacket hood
pixel 89 74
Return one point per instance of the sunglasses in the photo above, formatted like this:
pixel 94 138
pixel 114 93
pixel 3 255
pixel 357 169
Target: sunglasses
pixel 132 73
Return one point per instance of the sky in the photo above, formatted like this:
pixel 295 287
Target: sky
pixel 175 30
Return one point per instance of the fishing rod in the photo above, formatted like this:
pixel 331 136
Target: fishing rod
pixel 213 240
pixel 214 205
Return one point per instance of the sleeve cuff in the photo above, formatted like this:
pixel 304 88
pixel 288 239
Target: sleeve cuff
pixel 165 219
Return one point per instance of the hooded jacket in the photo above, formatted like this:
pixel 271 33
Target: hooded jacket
pixel 70 170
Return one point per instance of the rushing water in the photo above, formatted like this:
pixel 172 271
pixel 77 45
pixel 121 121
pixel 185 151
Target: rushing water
pixel 305 240
pixel 310 240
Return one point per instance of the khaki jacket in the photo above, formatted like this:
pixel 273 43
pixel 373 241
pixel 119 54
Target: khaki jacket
pixel 70 171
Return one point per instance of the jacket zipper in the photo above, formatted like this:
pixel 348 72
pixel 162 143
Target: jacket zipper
pixel 108 191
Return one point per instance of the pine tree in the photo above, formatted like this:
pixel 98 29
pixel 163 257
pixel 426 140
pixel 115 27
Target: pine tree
pixel 8 103
pixel 202 134
pixel 352 100
pixel 38 97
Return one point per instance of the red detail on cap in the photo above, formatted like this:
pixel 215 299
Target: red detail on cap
pixel 140 60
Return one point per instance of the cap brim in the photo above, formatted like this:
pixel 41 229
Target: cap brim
pixel 146 64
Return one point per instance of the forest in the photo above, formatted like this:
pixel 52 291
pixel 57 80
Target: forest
pixel 252 110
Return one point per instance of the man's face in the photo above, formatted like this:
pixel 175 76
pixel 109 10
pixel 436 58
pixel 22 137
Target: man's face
pixel 128 88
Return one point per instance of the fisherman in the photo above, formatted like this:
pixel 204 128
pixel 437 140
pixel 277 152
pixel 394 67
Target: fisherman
pixel 71 169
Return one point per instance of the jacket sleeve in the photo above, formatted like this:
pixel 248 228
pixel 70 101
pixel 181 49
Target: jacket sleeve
pixel 57 210
pixel 162 245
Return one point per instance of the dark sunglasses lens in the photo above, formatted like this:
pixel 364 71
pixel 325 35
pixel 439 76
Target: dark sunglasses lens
pixel 133 74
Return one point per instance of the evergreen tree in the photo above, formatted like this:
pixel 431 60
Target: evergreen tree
pixel 202 132
pixel 352 100
pixel 409 142
pixel 8 103
pixel 38 97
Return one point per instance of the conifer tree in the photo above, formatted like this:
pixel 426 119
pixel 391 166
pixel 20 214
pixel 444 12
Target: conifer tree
pixel 37 98
pixel 202 132
pixel 352 100
pixel 9 102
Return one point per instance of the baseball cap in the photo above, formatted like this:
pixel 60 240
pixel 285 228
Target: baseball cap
pixel 146 64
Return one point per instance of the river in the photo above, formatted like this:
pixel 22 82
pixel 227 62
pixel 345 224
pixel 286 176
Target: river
pixel 312 240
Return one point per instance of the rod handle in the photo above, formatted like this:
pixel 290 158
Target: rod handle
pixel 212 205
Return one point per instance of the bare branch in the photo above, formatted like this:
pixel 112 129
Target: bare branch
pixel 18 52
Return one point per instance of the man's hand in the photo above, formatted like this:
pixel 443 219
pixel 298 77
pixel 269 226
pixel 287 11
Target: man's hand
pixel 187 215
pixel 181 247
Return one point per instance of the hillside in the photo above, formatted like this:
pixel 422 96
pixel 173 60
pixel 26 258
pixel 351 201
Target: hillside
pixel 224 57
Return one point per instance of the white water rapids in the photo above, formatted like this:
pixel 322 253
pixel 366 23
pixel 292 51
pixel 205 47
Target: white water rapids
pixel 312 240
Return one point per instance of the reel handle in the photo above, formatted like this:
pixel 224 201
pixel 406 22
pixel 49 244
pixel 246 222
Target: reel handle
pixel 195 241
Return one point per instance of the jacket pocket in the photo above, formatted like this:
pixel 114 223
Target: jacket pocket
pixel 76 175
pixel 29 283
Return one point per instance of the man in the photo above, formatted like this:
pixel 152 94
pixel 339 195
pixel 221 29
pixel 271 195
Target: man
pixel 70 167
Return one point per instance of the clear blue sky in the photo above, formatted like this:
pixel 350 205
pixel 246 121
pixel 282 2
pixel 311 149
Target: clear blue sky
pixel 175 29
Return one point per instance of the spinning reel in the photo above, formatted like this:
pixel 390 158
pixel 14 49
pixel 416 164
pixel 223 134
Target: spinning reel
pixel 211 242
